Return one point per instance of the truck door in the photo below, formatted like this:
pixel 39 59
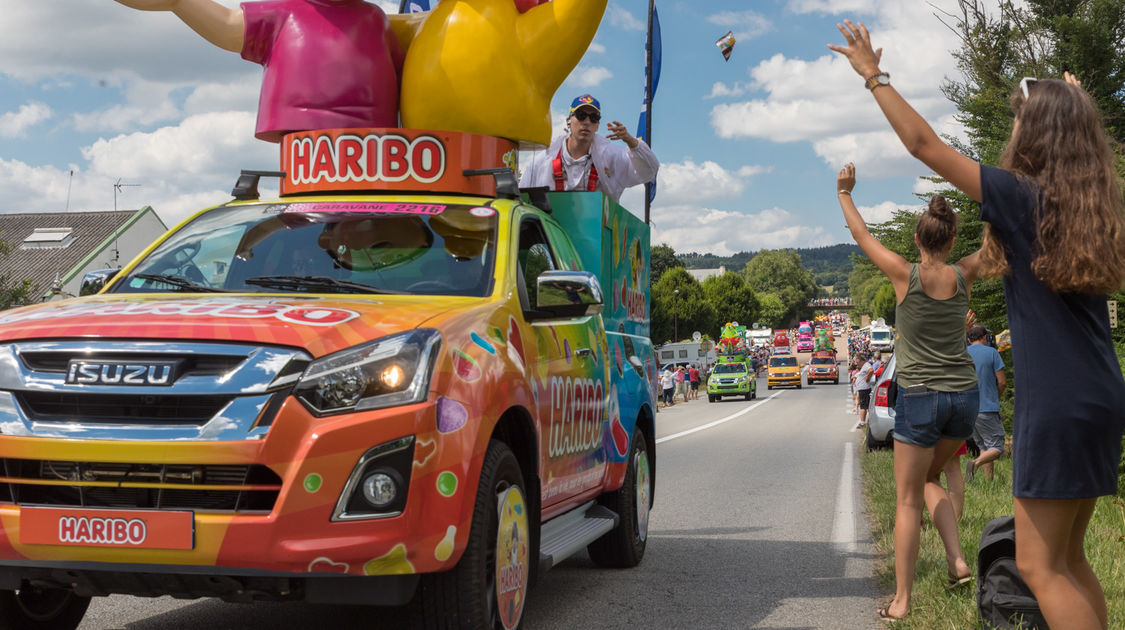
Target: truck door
pixel 571 374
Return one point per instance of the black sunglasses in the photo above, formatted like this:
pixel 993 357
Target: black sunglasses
pixel 581 115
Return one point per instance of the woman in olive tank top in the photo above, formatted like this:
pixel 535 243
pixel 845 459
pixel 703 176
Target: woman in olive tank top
pixel 937 383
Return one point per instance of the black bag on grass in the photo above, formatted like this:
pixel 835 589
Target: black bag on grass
pixel 1003 598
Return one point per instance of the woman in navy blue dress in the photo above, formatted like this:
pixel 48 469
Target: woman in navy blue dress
pixel 1056 231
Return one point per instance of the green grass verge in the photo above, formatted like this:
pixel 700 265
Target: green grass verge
pixel 932 606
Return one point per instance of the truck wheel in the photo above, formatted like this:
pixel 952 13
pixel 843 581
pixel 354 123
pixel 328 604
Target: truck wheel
pixel 710 398
pixel 488 587
pixel 754 393
pixel 41 609
pixel 836 381
pixel 624 545
pixel 749 395
pixel 798 386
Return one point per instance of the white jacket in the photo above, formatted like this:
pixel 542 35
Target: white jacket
pixel 619 167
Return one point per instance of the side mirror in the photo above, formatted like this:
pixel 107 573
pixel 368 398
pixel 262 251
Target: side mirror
pixel 94 281
pixel 563 294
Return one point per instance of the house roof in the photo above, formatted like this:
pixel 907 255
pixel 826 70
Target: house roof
pixel 90 233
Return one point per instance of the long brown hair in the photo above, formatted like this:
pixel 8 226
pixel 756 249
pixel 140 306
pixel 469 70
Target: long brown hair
pixel 1061 146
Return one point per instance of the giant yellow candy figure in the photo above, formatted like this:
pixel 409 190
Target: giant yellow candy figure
pixel 481 66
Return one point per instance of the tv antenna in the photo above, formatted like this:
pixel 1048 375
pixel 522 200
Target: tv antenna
pixel 117 189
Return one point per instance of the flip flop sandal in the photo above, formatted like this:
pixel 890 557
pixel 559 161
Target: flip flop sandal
pixel 885 616
pixel 954 581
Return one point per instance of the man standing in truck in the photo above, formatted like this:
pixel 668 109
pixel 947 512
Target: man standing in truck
pixel 582 160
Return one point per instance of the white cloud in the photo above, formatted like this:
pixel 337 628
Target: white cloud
pixel 720 90
pixel 822 101
pixel 688 182
pixel 744 24
pixel 624 20
pixel 691 228
pixel 15 124
pixel 588 76
pixel 882 212
pixel 595 47
pixel 833 6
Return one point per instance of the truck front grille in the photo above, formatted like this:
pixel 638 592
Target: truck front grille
pixel 120 408
pixel 233 488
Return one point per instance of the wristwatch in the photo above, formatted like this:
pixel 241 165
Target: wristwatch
pixel 876 80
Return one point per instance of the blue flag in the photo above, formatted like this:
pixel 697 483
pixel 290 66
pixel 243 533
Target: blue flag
pixel 414 6
pixel 652 77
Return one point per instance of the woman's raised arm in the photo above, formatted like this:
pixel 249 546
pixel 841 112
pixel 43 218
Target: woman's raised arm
pixel 913 130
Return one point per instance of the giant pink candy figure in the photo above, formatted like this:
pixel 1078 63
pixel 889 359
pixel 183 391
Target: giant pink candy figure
pixel 327 63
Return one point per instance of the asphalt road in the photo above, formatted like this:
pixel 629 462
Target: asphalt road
pixel 758 523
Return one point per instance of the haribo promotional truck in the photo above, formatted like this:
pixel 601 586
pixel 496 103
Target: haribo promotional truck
pixel 403 381
pixel 805 342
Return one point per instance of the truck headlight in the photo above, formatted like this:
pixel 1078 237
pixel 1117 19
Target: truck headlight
pixel 393 370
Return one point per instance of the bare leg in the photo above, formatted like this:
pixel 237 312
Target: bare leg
pixel 955 486
pixel 942 509
pixel 911 464
pixel 985 459
pixel 1051 559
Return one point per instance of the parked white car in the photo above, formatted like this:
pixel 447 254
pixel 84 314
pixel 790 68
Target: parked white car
pixel 881 411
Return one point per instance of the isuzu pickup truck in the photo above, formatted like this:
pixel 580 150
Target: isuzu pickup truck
pixel 402 382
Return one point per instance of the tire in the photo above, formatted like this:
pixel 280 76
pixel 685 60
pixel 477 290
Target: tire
pixel 624 546
pixel 753 393
pixel 41 609
pixel 836 381
pixel 798 386
pixel 710 398
pixel 872 443
pixel 769 387
pixel 468 596
pixel 748 396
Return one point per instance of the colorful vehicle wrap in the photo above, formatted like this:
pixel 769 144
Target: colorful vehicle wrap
pixel 823 367
pixel 288 391
pixel 732 377
pixel 805 337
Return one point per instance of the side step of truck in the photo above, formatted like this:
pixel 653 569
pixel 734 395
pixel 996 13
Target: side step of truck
pixel 565 535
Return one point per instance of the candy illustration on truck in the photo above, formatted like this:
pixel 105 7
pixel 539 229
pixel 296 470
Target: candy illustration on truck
pixel 404 381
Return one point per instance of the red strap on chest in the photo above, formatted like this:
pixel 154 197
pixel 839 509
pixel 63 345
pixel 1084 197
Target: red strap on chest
pixel 560 176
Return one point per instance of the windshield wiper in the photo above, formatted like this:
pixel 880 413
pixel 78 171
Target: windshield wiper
pixel 179 282
pixel 308 283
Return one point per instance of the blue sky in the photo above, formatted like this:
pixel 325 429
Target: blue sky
pixel 749 147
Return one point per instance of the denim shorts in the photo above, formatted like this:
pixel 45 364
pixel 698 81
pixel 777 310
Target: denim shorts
pixel 924 418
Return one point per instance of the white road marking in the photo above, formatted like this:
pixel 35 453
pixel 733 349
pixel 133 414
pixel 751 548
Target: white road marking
pixel 843 526
pixel 720 420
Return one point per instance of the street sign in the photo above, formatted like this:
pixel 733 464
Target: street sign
pixel 696 336
pixel 1112 313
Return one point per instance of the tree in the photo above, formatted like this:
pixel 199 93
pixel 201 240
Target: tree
pixel 1042 38
pixel 679 314
pixel 780 272
pixel 13 292
pixel 773 313
pixel 883 304
pixel 662 258
pixel 731 298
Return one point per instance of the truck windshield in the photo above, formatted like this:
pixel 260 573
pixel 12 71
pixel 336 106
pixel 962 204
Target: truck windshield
pixel 783 361
pixel 823 361
pixel 730 368
pixel 317 247
pixel 880 335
